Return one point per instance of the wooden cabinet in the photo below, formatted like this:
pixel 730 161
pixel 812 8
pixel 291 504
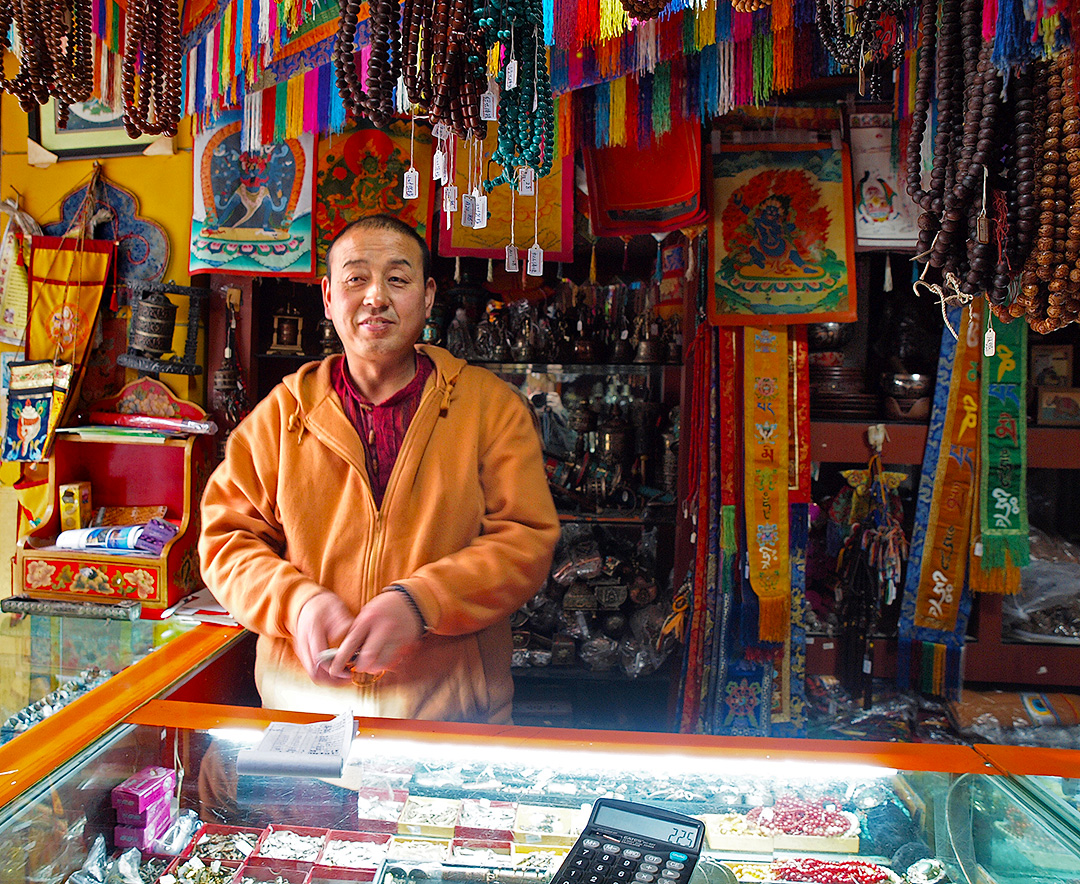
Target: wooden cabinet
pixel 987 657
pixel 131 471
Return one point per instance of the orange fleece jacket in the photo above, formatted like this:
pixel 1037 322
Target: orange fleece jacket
pixel 467 525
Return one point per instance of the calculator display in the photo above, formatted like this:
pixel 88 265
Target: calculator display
pixel 674 833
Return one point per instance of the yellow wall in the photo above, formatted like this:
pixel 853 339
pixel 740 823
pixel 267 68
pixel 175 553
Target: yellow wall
pixel 162 186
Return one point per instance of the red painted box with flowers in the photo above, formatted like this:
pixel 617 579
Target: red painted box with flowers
pixel 123 471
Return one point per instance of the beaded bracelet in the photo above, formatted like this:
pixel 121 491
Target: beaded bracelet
pixel 397 587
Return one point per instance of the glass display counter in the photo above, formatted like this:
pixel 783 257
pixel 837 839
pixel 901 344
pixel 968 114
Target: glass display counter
pixel 48 662
pixel 484 804
pixel 66 681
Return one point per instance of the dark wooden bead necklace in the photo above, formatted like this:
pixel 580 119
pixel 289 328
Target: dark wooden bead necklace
pixel 56 59
pixel 384 62
pixel 859 34
pixel 151 67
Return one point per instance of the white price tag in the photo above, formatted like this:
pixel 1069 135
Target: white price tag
pixel 411 186
pixel 511 259
pixel 511 74
pixel 990 342
pixel 449 198
pixel 535 265
pixel 440 131
pixel 468 210
pixel 624 334
pixel 527 178
pixel 489 108
pixel 438 166
pixel 481 219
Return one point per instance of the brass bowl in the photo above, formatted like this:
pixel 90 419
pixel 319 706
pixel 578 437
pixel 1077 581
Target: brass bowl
pixel 907 386
pixel 829 335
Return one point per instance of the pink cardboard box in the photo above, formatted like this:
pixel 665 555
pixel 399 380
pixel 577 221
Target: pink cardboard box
pixel 143 838
pixel 147 818
pixel 146 787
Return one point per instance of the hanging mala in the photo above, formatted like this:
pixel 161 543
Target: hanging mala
pixel 384 62
pixel 857 35
pixel 56 55
pixel 1049 295
pixel 152 58
pixel 444 63
pixel 1015 219
pixel 956 226
pixel 643 10
pixel 527 109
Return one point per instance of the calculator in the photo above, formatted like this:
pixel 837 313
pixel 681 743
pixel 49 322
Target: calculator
pixel 629 843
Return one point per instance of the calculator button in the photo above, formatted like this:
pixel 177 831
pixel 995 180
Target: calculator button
pixel 573 875
pixel 644 877
pixel 593 878
pixel 653 858
pixel 623 875
pixel 649 867
pixel 671 864
pixel 670 874
pixel 579 862
pixel 591 843
pixel 625 863
pixel 679 857
pixel 630 853
pixel 601 867
pixel 611 848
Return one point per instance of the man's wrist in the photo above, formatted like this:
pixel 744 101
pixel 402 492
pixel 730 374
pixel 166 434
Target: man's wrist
pixel 397 587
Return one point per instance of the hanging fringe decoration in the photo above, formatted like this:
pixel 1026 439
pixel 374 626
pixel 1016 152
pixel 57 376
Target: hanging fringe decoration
pixel 617 112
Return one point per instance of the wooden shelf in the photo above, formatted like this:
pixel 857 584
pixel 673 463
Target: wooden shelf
pixel 989 659
pixel 822 656
pixel 845 442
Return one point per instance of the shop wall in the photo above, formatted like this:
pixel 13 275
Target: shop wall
pixel 162 185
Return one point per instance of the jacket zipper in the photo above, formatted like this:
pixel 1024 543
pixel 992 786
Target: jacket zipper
pixel 375 547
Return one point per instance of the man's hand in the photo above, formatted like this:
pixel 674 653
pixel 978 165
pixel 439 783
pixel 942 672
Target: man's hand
pixel 323 620
pixel 383 632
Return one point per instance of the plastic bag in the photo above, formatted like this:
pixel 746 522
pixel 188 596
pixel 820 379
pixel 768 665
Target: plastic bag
pixel 1048 603
pixel 179 833
pixel 600 654
pixel 96 865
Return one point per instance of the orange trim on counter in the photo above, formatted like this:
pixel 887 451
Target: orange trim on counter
pixel 1032 760
pixel 901 756
pixel 47 745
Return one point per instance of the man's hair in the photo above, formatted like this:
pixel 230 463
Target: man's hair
pixel 385 222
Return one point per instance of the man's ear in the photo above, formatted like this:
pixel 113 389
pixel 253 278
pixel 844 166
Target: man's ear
pixel 326 296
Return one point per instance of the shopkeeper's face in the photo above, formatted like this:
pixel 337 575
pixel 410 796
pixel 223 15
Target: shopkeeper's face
pixel 376 295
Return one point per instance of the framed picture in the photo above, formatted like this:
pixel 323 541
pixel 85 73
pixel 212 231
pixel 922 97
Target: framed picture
pixel 781 235
pixel 1059 406
pixel 1051 365
pixel 93 130
pixel 885 217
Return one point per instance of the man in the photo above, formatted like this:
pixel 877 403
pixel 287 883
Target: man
pixel 390 503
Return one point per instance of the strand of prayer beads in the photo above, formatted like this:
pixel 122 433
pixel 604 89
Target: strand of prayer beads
pixel 384 62
pixel 152 49
pixel 55 52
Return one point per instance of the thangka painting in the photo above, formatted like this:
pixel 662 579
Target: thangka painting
pixel 517 217
pixel 361 172
pixel 885 217
pixel 252 208
pixel 782 243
